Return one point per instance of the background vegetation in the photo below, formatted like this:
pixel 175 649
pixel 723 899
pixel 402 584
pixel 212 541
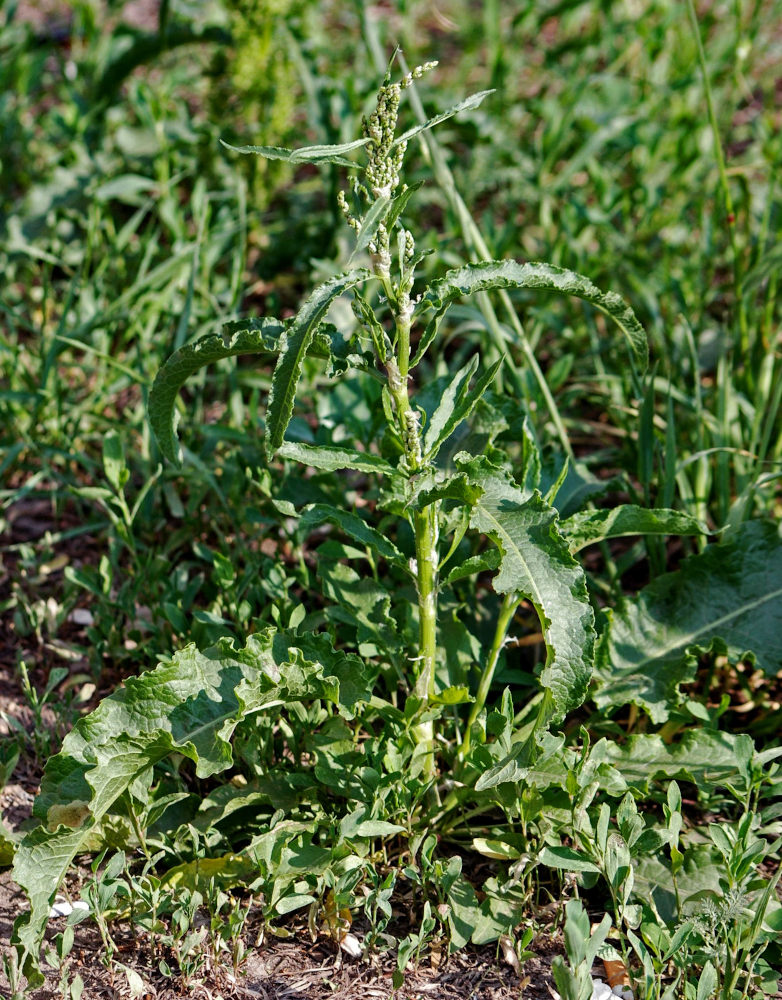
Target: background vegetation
pixel 611 145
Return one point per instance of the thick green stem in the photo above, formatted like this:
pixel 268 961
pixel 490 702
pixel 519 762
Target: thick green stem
pixel 425 524
pixel 507 610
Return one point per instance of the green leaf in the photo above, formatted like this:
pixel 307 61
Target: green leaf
pixel 536 564
pixel 334 458
pixel 590 526
pixel 708 758
pixel 294 343
pixel 456 404
pixel 114 465
pixel 467 104
pixel 473 278
pixel 306 154
pixel 454 695
pixel 257 337
pixel 566 859
pixel 369 225
pixel 473 565
pixel 707 984
pixel 190 705
pixel 432 487
pixel 725 599
pixel 353 526
pixel 378 828
pixel 514 767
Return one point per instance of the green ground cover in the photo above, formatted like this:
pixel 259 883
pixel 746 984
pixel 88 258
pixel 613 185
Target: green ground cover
pixel 467 558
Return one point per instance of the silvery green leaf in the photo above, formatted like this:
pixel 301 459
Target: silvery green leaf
pixel 471 278
pixel 191 706
pixel 456 404
pixel 726 599
pixel 466 105
pixel 536 564
pixel 333 458
pixel 294 344
pixel 251 337
pixel 369 226
pixel 306 154
pixel 589 526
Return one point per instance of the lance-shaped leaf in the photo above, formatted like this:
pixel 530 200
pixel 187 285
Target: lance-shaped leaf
pixel 456 404
pixel 536 564
pixel 190 705
pixel 333 458
pixel 482 277
pixel 305 154
pixel 354 527
pixel 589 526
pixel 294 344
pixel 248 337
pixel 726 599
pixel 466 105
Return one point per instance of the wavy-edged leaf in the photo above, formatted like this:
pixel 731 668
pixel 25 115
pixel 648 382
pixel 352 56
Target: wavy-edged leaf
pixel 727 599
pixel 443 416
pixel 466 105
pixel 471 278
pixel 589 526
pixel 433 487
pixel 333 458
pixel 536 564
pixel 708 758
pixel 251 337
pixel 473 565
pixel 190 705
pixel 306 154
pixel 354 527
pixel 293 345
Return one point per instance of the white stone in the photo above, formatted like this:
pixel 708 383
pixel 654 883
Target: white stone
pixel 62 908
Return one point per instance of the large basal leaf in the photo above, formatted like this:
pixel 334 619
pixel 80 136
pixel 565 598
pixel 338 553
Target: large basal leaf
pixel 536 564
pixel 293 348
pixel 727 599
pixel 482 277
pixel 589 526
pixel 707 758
pixel 190 705
pixel 256 337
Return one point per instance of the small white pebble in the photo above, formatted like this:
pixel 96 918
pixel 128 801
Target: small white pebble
pixel 351 945
pixel 62 908
pixel 628 995
pixel 81 616
pixel 618 991
pixel 601 990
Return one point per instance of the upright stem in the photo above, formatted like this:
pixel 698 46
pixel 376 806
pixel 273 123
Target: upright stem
pixel 507 609
pixel 425 524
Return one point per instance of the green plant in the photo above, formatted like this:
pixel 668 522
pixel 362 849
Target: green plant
pixel 347 703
